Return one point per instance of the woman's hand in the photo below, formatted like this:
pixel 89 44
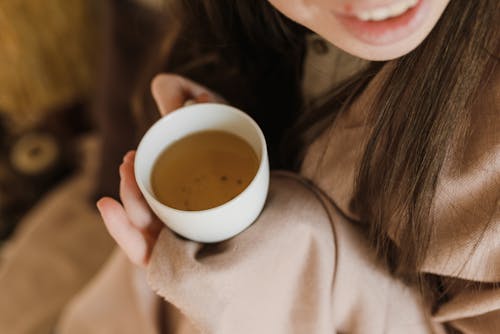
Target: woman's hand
pixel 132 223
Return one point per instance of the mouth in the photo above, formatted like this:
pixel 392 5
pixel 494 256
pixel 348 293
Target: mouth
pixel 385 24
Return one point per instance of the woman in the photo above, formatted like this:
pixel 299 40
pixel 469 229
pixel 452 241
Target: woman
pixel 401 157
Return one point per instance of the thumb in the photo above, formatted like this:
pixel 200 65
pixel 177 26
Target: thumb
pixel 172 91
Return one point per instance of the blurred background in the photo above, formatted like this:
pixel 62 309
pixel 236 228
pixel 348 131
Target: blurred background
pixel 67 70
pixel 48 60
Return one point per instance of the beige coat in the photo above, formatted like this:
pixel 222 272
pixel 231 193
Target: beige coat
pixel 303 266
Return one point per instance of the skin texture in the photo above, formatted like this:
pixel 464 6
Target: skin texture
pixel 130 222
pixel 318 16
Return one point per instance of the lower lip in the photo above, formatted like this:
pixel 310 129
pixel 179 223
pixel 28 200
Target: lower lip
pixel 387 31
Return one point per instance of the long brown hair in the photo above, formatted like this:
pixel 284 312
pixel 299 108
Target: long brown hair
pixel 422 106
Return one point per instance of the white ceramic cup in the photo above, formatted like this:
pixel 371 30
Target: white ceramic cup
pixel 224 221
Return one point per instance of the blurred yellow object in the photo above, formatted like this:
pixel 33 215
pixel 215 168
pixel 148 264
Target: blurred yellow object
pixel 48 53
pixel 34 153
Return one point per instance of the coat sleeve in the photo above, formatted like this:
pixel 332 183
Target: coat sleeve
pixel 275 277
pixel 292 271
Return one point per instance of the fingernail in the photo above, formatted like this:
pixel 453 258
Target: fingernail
pixel 128 156
pixel 189 102
pixel 98 204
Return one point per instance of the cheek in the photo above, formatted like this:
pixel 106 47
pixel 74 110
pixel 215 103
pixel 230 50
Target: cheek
pixel 301 11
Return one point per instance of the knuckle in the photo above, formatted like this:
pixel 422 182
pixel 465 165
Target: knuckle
pixel 163 78
pixel 158 80
pixel 138 258
pixel 142 217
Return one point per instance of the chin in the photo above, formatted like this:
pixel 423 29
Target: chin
pixel 378 53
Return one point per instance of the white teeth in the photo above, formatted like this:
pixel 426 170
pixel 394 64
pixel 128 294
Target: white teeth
pixel 383 13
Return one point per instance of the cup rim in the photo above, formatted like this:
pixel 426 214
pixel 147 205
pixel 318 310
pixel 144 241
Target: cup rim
pixel 229 108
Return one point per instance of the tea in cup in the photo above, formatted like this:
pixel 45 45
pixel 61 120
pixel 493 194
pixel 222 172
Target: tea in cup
pixel 204 171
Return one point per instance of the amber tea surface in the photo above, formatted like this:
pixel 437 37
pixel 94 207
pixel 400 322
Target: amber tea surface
pixel 203 170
